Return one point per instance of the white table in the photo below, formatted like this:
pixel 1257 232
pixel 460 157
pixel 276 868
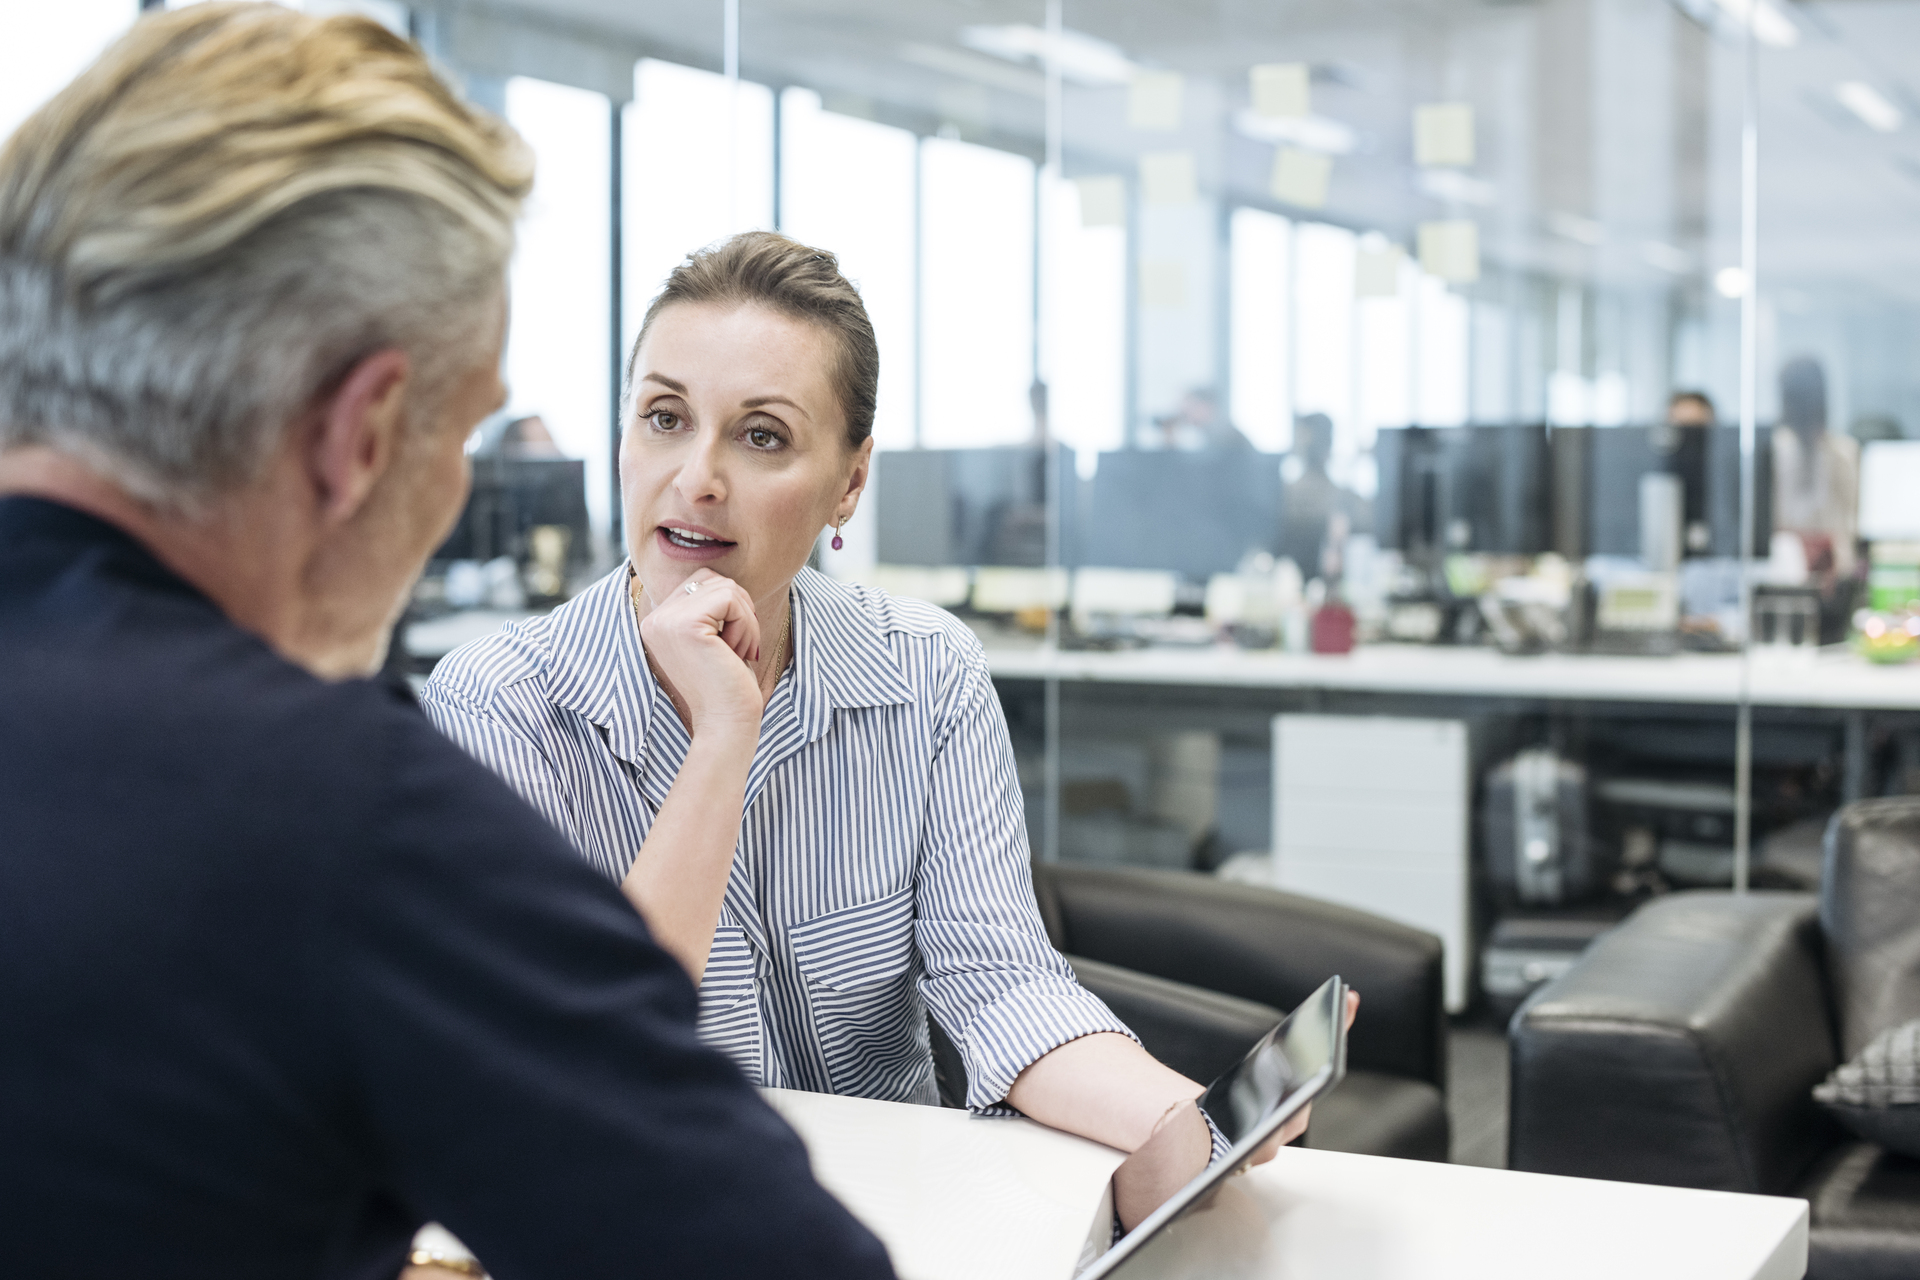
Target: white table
pixel 953 1197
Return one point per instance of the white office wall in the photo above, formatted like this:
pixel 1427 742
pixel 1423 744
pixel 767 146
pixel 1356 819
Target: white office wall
pixel 45 45
pixel 1260 253
pixel 559 362
pixel 1083 335
pixel 976 295
pixel 1324 380
pixel 696 167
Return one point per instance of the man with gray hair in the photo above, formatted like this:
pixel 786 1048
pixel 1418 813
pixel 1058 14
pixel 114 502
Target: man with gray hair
pixel 283 973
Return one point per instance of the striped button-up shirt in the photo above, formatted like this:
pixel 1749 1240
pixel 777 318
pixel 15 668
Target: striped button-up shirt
pixel 881 869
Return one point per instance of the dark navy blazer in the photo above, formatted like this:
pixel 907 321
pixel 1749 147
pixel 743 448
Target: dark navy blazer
pixel 284 973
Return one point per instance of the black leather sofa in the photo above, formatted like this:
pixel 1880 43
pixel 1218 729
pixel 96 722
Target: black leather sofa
pixel 1200 968
pixel 1684 1047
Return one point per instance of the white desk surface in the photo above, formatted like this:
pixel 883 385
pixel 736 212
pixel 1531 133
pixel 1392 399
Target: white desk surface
pixel 954 1197
pixel 1833 680
pixel 1830 680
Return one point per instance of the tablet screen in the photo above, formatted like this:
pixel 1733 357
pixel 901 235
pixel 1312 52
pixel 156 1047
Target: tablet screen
pixel 1288 1067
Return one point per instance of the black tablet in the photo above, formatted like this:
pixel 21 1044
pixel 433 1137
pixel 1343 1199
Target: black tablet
pixel 1290 1066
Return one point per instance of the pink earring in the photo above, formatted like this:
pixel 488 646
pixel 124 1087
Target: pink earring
pixel 837 543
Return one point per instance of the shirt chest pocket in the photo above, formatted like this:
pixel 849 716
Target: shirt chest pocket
pixel 729 1008
pixel 858 963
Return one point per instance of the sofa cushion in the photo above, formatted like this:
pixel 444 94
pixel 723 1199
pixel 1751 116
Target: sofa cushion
pixel 1864 1205
pixel 1867 896
pixel 1877 1095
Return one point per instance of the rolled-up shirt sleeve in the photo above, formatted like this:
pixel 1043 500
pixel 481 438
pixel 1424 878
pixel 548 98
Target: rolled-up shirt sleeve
pixel 991 976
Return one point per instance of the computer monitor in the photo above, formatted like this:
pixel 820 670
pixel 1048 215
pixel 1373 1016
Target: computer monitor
pixel 1596 496
pixel 512 495
pixel 1193 513
pixel 1890 490
pixel 1478 488
pixel 970 506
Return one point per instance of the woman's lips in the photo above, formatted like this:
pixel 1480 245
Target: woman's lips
pixel 679 544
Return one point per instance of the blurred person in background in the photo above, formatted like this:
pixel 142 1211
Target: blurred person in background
pixel 283 973
pixel 1816 476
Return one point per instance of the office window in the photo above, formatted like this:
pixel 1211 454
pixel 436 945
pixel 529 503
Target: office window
pixel 1440 317
pixel 847 185
pixel 1323 312
pixel 1260 254
pixel 557 344
pixel 1384 331
pixel 43 46
pixel 976 295
pixel 1083 346
pixel 696 169
pixel 1492 388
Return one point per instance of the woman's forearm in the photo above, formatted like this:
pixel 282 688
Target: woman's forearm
pixel 1102 1086
pixel 680 876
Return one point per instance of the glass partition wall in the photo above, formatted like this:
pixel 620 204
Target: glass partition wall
pixel 1230 335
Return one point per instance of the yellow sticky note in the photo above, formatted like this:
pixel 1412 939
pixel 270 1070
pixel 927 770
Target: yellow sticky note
pixel 1168 178
pixel 1376 271
pixel 1103 200
pixel 1301 177
pixel 1154 100
pixel 1451 250
pixel 1443 134
pixel 1163 283
pixel 1281 90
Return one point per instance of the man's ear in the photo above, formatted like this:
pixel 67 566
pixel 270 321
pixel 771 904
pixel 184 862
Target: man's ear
pixel 857 480
pixel 356 433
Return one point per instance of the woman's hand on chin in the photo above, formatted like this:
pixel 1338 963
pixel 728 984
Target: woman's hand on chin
pixel 702 641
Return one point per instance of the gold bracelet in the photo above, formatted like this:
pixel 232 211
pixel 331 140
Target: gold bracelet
pixel 442 1262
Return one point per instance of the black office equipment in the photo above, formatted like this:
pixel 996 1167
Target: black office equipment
pixel 1481 488
pixel 512 495
pixel 970 506
pixel 1194 513
pixel 1596 487
pixel 1539 846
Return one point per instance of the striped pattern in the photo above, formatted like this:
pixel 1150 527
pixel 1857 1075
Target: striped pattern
pixel 882 866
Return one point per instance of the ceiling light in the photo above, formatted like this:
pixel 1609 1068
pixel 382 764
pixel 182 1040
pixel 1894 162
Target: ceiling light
pixel 1659 253
pixel 1572 226
pixel 1081 58
pixel 1770 25
pixel 1731 282
pixel 1312 133
pixel 1866 102
pixel 1451 184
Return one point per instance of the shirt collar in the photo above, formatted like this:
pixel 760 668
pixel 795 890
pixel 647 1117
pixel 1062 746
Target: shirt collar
pixel 598 670
pixel 840 656
pixel 841 659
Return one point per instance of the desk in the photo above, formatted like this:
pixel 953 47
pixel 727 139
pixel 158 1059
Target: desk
pixel 914 1175
pixel 1832 680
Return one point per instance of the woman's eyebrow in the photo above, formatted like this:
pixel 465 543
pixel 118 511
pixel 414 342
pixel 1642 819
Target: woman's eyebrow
pixel 666 382
pixel 754 402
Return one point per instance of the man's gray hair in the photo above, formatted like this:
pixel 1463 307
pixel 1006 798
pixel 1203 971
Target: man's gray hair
pixel 204 233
